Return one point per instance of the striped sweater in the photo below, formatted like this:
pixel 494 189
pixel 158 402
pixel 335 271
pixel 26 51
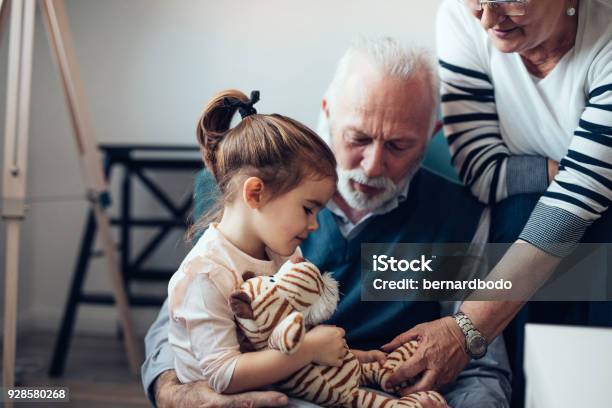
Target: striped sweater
pixel 502 124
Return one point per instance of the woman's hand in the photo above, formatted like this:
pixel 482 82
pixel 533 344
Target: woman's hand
pixel 553 169
pixel 170 393
pixel 327 345
pixel 370 356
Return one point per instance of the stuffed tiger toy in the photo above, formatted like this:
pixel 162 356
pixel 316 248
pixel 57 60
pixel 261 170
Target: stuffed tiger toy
pixel 275 312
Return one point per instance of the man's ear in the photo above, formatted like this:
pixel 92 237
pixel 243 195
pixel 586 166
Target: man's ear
pixel 252 192
pixel 325 107
pixel 240 303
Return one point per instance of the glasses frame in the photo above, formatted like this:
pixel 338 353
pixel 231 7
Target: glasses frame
pixel 498 4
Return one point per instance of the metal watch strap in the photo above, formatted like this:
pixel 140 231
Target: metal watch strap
pixel 466 325
pixel 464 322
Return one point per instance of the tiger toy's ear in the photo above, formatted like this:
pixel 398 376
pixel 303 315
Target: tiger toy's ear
pixel 240 304
pixel 247 275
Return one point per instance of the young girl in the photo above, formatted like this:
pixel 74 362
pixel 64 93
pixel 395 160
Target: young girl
pixel 274 175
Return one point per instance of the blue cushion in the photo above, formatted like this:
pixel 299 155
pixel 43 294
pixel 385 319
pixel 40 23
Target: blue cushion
pixel 438 158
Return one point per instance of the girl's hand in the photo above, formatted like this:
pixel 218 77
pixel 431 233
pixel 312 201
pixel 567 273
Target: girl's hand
pixel 326 344
pixel 370 356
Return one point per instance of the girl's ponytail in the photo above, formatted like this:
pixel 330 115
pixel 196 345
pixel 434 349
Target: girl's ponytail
pixel 213 125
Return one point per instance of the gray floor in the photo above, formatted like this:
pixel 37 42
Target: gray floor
pixel 96 373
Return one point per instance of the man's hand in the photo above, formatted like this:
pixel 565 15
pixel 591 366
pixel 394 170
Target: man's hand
pixel 370 356
pixel 438 360
pixel 170 393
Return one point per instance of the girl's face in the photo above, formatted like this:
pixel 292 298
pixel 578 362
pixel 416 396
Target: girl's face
pixel 285 221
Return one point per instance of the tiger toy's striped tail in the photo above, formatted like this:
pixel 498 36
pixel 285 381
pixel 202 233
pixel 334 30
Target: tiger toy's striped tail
pixel 375 374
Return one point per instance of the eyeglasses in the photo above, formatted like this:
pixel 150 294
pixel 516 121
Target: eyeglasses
pixel 507 7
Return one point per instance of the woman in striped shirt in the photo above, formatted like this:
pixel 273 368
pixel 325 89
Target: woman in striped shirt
pixel 527 107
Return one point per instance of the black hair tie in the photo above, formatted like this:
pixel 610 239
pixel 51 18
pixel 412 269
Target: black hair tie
pixel 245 108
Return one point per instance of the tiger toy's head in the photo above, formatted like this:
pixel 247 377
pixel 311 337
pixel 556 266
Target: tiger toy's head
pixel 298 295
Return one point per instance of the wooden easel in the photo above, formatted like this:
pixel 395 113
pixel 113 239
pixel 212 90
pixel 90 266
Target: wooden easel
pixel 15 160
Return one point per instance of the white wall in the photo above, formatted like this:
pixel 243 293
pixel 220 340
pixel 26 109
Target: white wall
pixel 148 67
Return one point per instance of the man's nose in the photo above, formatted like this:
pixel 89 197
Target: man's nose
pixel 491 15
pixel 373 163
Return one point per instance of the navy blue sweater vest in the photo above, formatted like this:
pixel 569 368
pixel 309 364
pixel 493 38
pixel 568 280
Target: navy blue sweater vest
pixel 435 211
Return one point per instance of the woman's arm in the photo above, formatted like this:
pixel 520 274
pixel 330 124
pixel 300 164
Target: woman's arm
pixel 441 354
pixel 471 126
pixel 528 268
pixel 580 193
pixel 582 189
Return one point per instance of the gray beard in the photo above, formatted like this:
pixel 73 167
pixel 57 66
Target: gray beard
pixel 361 201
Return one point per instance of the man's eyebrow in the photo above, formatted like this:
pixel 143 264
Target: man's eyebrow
pixel 358 132
pixel 401 138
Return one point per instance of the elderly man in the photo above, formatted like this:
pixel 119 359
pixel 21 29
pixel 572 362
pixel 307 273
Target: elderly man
pixel 378 115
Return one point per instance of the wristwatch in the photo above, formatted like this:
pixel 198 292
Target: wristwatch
pixel 475 343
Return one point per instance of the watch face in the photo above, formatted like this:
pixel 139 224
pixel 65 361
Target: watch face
pixel 477 345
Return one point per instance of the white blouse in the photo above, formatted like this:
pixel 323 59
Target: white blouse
pixel 202 329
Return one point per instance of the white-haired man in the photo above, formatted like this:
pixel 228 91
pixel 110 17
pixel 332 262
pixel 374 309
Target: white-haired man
pixel 378 115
